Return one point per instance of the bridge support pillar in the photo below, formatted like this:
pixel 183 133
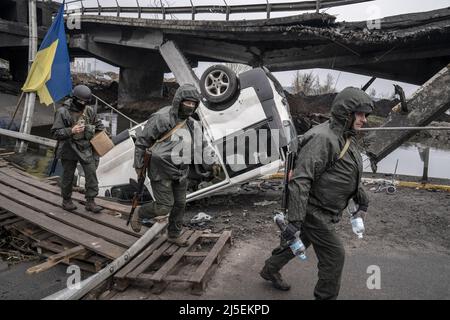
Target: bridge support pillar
pixel 140 84
pixel 18 63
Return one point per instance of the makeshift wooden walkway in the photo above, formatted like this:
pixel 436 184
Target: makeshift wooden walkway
pixel 40 203
pixel 31 209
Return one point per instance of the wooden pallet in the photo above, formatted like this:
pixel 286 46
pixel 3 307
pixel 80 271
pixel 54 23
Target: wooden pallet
pixel 162 263
pixel 52 247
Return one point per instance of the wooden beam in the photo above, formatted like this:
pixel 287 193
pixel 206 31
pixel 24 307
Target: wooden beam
pixel 102 219
pixel 427 103
pixel 28 137
pixel 98 230
pixel 72 234
pixel 57 258
pixel 125 210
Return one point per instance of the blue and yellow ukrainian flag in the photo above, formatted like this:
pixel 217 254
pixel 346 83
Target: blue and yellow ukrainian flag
pixel 49 75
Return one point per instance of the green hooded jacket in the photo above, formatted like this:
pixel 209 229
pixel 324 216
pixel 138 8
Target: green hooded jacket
pixel 70 146
pixel 321 180
pixel 162 166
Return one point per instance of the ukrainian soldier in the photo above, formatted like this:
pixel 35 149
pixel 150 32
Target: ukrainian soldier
pixel 327 174
pixel 168 177
pixel 75 125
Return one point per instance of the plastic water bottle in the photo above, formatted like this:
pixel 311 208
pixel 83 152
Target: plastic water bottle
pixel 357 226
pixel 298 248
pixel 357 222
pixel 296 245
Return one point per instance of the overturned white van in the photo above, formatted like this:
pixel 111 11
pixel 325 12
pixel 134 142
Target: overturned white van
pixel 245 122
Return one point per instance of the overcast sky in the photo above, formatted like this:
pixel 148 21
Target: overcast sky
pixel 356 12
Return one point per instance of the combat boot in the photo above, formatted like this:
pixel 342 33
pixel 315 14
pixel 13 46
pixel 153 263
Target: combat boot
pixel 178 241
pixel 275 278
pixel 92 206
pixel 68 205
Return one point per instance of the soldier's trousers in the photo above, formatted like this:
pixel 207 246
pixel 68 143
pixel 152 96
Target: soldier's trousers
pixel 170 198
pixel 90 175
pixel 317 230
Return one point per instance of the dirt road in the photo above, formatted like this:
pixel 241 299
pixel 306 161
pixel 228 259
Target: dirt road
pixel 407 237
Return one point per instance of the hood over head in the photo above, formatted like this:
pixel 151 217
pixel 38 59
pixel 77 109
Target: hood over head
pixel 184 92
pixel 347 102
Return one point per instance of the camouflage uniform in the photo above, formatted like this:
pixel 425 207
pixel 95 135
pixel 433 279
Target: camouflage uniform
pixel 168 179
pixel 74 148
pixel 320 189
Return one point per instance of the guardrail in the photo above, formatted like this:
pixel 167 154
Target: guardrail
pixel 225 9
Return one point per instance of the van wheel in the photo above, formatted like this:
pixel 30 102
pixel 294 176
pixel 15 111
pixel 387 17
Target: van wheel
pixel 218 84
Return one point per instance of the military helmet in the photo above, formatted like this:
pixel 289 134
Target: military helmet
pixel 82 92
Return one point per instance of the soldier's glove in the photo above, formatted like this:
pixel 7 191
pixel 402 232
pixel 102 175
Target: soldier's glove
pixel 216 170
pixel 361 212
pixel 291 232
pixel 89 131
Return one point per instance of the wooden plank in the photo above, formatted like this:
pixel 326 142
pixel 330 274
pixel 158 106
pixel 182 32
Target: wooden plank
pixel 196 254
pixel 155 256
pixel 7 215
pixel 130 266
pixel 209 260
pixel 75 251
pixel 4 154
pixel 82 264
pixel 101 231
pixel 125 210
pixel 57 258
pixel 102 218
pixel 55 248
pixel 170 264
pixel 43 236
pixel 121 282
pixel 9 221
pixel 95 244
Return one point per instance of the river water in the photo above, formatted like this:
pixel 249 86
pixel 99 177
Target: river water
pixel 410 162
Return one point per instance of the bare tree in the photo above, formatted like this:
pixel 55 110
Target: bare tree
pixel 308 84
pixel 238 67
pixel 329 85
pixel 303 83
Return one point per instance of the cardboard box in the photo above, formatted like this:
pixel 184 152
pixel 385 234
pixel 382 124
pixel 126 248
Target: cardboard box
pixel 101 143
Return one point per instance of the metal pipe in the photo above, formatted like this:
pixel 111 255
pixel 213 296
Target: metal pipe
pixel 93 281
pixel 28 137
pixel 403 128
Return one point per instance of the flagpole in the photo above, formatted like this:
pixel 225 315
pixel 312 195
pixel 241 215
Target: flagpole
pixel 27 117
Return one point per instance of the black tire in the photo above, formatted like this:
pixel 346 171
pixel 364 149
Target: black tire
pixel 219 84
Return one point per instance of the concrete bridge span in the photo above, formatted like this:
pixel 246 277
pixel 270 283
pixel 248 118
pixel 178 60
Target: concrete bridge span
pixel 409 48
